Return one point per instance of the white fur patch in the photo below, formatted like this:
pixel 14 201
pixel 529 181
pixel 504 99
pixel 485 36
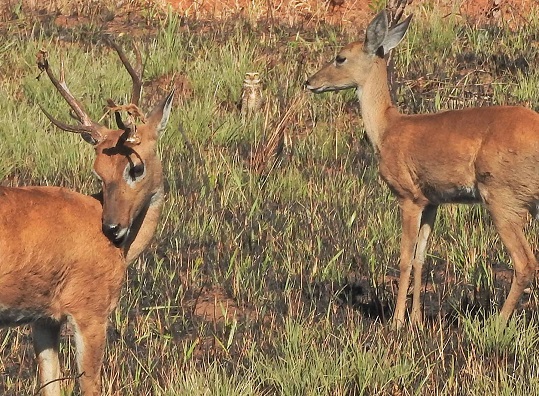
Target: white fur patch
pixel 79 343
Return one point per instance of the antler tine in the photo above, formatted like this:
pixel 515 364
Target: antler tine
pixel 88 133
pixel 134 72
pixel 112 106
pixel 88 126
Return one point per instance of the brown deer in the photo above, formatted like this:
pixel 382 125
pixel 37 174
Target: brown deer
pixel 64 254
pixel 486 155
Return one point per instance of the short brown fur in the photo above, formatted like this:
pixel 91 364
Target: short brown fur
pixel 486 155
pixel 64 254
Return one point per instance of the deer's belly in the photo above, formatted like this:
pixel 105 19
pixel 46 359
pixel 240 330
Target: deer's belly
pixel 10 316
pixel 454 194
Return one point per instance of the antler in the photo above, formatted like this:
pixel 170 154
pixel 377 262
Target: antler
pixel 89 129
pixel 396 9
pixel 134 72
pixel 131 108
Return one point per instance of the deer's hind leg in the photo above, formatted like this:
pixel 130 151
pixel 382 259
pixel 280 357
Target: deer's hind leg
pixel 46 336
pixel 509 223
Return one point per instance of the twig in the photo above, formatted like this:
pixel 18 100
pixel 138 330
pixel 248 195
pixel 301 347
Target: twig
pixel 73 377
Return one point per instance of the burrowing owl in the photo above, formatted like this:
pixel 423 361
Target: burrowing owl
pixel 251 95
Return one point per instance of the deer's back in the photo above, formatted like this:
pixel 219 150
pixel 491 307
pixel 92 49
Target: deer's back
pixel 443 157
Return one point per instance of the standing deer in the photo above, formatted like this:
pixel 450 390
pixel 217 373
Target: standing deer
pixel 64 254
pixel 486 155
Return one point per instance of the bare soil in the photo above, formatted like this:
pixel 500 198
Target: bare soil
pixel 353 12
pixel 347 13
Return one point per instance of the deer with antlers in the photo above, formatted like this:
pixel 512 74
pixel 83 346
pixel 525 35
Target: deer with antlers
pixel 487 155
pixel 64 254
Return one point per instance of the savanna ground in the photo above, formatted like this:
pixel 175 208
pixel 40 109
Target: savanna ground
pixel 273 271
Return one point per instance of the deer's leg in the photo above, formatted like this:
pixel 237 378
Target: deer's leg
pixel 90 336
pixel 46 334
pixel 427 224
pixel 509 225
pixel 411 220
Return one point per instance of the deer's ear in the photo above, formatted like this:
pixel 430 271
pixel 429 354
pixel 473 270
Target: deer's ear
pixel 159 116
pixel 376 33
pixel 395 35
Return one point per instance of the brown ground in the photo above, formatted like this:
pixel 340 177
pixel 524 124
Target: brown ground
pixel 351 12
pixel 348 13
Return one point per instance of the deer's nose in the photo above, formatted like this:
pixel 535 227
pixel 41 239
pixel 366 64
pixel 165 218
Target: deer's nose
pixel 115 232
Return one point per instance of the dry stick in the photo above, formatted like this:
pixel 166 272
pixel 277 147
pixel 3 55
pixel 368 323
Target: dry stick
pixel 73 377
pixel 256 161
pixel 272 144
pixel 519 14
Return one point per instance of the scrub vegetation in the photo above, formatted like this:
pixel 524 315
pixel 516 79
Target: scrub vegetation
pixel 274 268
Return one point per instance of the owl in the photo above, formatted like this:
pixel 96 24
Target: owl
pixel 251 95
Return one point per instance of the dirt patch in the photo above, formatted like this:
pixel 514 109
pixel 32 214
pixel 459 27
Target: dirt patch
pixel 350 12
pixel 160 86
pixel 214 305
pixel 138 16
pixel 512 12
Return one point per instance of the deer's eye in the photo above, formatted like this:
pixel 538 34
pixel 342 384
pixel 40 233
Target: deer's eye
pixel 136 171
pixel 339 59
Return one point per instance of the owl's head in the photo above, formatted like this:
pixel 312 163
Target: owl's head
pixel 252 78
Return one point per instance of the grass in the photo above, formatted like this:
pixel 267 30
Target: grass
pixel 279 280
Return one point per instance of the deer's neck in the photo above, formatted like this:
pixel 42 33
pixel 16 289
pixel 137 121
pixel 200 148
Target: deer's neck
pixel 376 107
pixel 144 226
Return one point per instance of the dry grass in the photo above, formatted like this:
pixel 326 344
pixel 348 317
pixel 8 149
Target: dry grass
pixel 281 284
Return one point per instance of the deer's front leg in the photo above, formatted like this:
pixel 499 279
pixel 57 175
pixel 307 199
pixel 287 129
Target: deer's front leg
pixel 46 334
pixel 90 336
pixel 411 220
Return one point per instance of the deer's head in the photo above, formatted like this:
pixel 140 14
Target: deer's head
pixel 126 159
pixel 351 67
